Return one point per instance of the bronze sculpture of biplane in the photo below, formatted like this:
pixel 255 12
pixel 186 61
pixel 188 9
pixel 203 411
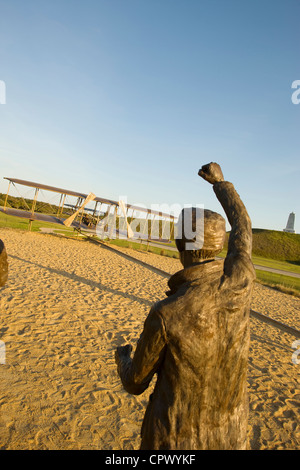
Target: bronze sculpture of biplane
pixel 83 218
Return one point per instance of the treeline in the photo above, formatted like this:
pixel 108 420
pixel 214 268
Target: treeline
pixel 26 204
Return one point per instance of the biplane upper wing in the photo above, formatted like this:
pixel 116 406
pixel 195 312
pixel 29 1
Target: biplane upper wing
pixel 58 190
pixel 32 215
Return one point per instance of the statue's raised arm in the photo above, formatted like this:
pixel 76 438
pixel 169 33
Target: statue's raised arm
pixel 240 239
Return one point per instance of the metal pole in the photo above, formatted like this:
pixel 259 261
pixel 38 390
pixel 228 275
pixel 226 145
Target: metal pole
pixel 172 229
pixel 95 209
pixel 59 204
pixel 148 240
pixel 34 201
pixel 144 229
pixel 62 206
pixel 163 228
pixel 112 225
pixel 4 207
pixel 98 217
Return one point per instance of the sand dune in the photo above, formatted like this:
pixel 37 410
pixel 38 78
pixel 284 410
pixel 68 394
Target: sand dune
pixel 66 307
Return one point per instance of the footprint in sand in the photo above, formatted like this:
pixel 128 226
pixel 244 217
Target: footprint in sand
pixel 109 335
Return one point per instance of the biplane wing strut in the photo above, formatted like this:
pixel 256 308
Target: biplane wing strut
pixel 68 222
pixel 129 229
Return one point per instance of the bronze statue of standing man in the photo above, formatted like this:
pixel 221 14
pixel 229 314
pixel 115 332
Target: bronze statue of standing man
pixel 196 339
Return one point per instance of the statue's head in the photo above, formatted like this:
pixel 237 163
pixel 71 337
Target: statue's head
pixel 200 235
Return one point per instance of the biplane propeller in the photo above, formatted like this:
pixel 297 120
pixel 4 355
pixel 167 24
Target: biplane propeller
pixel 86 219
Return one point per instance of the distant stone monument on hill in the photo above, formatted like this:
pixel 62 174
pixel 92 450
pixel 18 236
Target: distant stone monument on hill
pixel 290 224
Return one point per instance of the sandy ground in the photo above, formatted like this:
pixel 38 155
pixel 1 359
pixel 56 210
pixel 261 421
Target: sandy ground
pixel 66 307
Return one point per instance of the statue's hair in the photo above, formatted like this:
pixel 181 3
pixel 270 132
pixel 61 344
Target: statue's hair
pixel 209 232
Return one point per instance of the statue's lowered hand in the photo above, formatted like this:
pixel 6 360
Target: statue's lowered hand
pixel 211 172
pixel 122 352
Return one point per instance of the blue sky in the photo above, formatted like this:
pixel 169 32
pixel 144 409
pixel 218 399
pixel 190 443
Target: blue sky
pixel 132 97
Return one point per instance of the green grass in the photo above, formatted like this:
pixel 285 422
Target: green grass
pixel 143 247
pixel 287 284
pixel 272 244
pixel 276 245
pixel 281 282
pixel 23 224
pixel 272 263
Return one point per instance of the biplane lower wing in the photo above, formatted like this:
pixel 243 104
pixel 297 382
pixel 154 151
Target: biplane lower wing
pixel 28 215
pixel 39 217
